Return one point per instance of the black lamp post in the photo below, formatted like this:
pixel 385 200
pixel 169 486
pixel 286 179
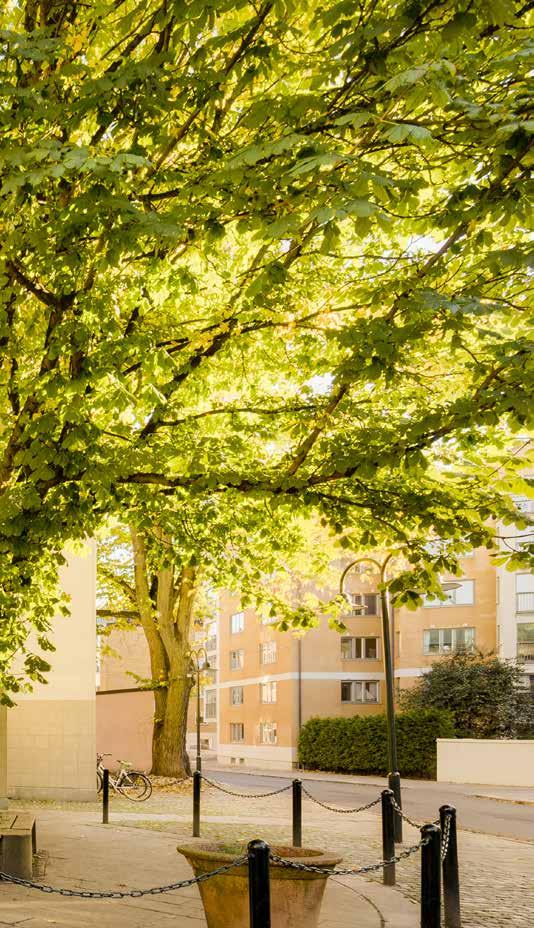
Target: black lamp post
pixel 393 774
pixel 196 655
pixel 394 781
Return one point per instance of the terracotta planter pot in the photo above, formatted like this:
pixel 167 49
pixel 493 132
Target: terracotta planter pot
pixel 296 896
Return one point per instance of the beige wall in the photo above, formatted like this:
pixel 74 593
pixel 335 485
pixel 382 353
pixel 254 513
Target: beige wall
pixel 124 728
pixel 494 763
pixel 51 734
pixel 3 757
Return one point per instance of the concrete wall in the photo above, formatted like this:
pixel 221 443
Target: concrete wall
pixel 494 763
pixel 51 734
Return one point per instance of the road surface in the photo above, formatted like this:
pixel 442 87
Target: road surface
pixel 421 800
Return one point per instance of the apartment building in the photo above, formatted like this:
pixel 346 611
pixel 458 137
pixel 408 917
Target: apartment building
pixel 515 601
pixel 271 682
pixel 263 684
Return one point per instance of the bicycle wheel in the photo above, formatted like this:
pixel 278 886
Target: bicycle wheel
pixel 135 786
pixel 99 781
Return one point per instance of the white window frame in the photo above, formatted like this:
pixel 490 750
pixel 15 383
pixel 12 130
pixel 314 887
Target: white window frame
pixel 268 687
pixel 233 690
pixel 213 694
pixel 268 649
pixel 357 600
pixel 442 633
pixel 359 692
pixel 271 729
pixel 237 728
pixel 237 623
pixel 363 647
pixel 240 663
pixel 431 602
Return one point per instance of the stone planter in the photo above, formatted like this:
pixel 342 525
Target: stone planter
pixel 295 896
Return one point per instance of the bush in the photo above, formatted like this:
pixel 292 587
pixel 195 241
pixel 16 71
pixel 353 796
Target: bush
pixel 359 744
pixel 484 693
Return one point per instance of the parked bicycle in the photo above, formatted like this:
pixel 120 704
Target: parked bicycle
pixel 132 784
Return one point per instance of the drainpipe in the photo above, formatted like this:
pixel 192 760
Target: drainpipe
pixel 299 686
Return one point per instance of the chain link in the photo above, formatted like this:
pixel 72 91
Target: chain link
pixel 231 792
pixel 410 821
pixel 335 809
pixel 118 894
pixel 445 837
pixel 309 868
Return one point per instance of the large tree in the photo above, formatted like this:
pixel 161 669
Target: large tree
pixel 163 579
pixel 271 249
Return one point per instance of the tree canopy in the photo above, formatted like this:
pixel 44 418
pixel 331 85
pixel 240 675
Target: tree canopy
pixel 271 250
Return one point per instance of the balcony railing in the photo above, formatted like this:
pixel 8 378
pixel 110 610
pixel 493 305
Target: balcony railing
pixel 525 602
pixel 525 650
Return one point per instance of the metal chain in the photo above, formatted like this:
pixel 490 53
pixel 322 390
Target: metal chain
pixel 445 837
pixel 410 821
pixel 231 792
pixel 343 811
pixel 117 894
pixel 308 868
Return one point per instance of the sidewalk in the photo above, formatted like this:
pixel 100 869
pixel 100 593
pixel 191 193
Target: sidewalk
pixel 77 852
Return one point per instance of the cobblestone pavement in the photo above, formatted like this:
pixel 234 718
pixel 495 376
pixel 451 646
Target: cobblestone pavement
pixel 497 882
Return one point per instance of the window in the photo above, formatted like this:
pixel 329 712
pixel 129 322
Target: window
pixel 237 622
pixel 524 585
pixel 525 641
pixel 211 640
pixel 268 692
pixel 268 652
pixel 210 704
pixel 237 732
pixel 463 596
pixel 236 695
pixel 523 503
pixel 356 691
pixel 445 640
pixel 355 649
pixel 237 660
pixel 268 734
pixel 363 603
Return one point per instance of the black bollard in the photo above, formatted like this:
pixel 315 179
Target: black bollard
pixel 105 796
pixel 297 813
pixel 197 779
pixel 394 783
pixel 451 876
pixel 258 884
pixel 388 836
pixel 430 877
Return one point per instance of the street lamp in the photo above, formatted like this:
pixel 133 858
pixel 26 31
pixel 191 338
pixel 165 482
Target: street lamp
pixel 195 657
pixel 393 773
pixel 394 781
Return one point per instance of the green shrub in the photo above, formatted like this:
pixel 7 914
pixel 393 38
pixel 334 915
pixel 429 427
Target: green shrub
pixel 359 744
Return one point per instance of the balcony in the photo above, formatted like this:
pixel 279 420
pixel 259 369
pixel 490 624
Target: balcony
pixel 525 602
pixel 525 651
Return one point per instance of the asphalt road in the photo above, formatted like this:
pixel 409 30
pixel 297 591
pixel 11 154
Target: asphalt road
pixel 421 801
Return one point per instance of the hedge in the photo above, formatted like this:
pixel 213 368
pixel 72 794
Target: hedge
pixel 359 744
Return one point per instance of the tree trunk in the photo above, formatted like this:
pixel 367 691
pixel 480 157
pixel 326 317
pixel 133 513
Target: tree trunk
pixel 165 609
pixel 169 754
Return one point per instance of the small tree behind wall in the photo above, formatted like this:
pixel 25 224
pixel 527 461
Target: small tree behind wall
pixel 485 694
